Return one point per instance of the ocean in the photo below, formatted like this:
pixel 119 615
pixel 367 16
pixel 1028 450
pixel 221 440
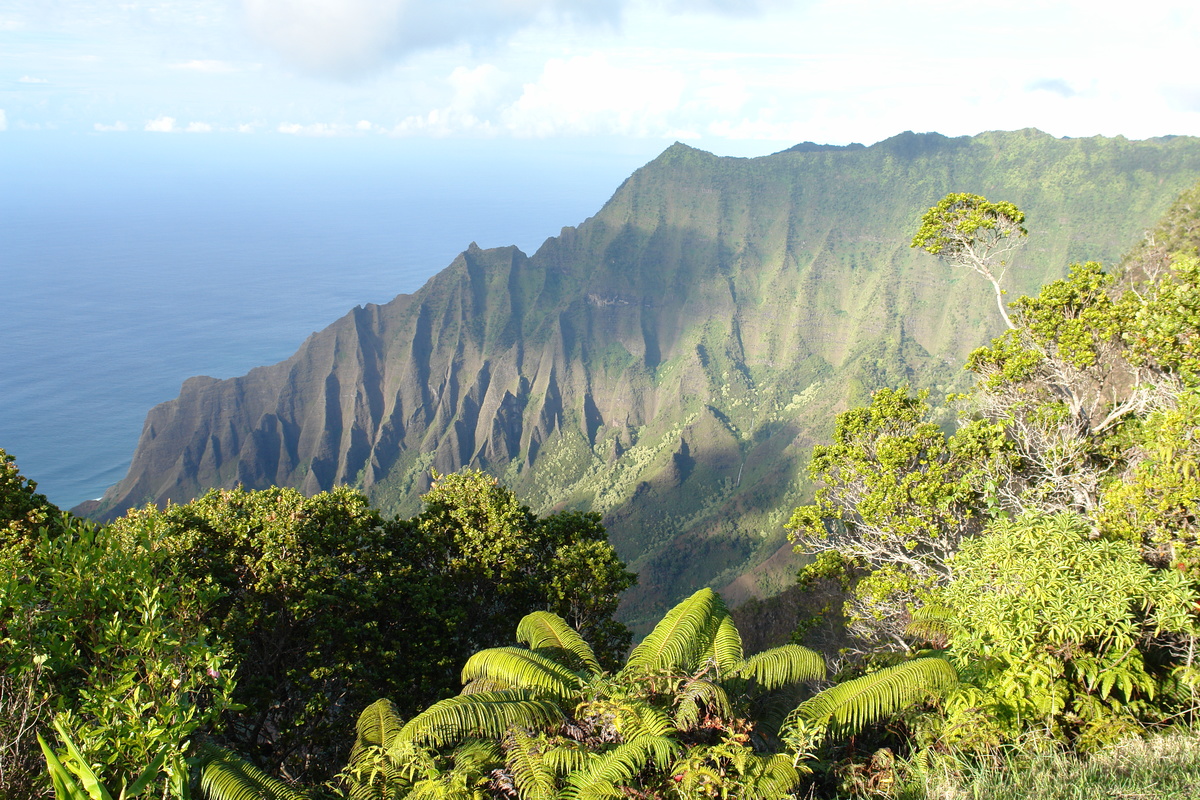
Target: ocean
pixel 130 262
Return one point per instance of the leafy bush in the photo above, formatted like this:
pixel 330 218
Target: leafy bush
pixel 1050 628
pixel 112 642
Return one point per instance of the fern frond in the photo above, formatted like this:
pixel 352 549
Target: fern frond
pixel 681 637
pixel 543 630
pixel 487 714
pixel 770 709
pixel 604 775
pixel 484 685
pixel 533 779
pixel 932 623
pixel 222 775
pixel 726 648
pixel 781 666
pixel 563 759
pixel 700 695
pixel 851 706
pixel 478 756
pixel 768 777
pixel 638 719
pixel 518 668
pixel 377 725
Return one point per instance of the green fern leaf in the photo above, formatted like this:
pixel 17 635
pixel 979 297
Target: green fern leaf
pixel 604 775
pixel 681 637
pixel 726 648
pixel 932 623
pixel 518 668
pixel 488 714
pixel 639 719
pixel 768 777
pixel 533 779
pixel 781 666
pixel 700 695
pixel 222 775
pixel 542 630
pixel 378 725
pixel 564 758
pixel 851 706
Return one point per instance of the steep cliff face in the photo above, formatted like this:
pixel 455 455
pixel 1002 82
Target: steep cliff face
pixel 671 361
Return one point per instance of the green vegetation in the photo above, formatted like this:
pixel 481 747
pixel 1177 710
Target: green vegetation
pixel 1023 600
pixel 670 362
pixel 263 622
pixel 111 644
pixel 687 716
pixel 974 234
pixel 1047 547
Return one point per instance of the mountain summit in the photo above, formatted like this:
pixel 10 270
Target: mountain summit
pixel 671 361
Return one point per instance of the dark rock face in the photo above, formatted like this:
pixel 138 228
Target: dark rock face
pixel 672 360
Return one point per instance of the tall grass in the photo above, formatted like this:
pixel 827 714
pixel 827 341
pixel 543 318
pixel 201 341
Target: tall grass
pixel 1162 767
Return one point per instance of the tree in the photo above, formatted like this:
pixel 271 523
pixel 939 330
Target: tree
pixel 896 497
pixel 23 509
pixel 501 561
pixel 1157 503
pixel 1083 369
pixel 316 600
pixel 970 232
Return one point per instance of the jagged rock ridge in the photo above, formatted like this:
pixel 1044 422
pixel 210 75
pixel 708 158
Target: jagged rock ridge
pixel 671 361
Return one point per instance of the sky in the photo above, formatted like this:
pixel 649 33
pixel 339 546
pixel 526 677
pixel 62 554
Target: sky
pixel 736 77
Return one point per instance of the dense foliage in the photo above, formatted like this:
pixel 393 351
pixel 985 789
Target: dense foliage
pixel 268 620
pixel 688 716
pixel 1049 545
pixel 109 641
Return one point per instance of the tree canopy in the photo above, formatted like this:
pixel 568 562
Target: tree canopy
pixel 971 232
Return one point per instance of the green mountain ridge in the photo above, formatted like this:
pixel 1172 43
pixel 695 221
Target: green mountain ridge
pixel 670 361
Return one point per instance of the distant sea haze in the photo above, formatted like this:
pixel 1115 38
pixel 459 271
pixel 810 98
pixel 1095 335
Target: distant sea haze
pixel 131 262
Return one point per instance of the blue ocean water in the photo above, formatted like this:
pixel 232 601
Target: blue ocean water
pixel 131 262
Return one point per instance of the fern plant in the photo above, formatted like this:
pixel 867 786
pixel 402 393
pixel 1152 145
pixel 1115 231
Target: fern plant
pixel 565 729
pixel 220 774
pixel 850 706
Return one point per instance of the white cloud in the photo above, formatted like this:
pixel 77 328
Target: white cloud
pixel 316 129
pixel 591 95
pixel 116 126
pixel 161 125
pixel 3 120
pixel 348 37
pixel 475 95
pixel 30 79
pixel 247 127
pixel 443 122
pixel 761 128
pixel 199 127
pixel 1053 85
pixel 206 65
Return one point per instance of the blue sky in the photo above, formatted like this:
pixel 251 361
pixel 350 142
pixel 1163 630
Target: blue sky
pixel 731 76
